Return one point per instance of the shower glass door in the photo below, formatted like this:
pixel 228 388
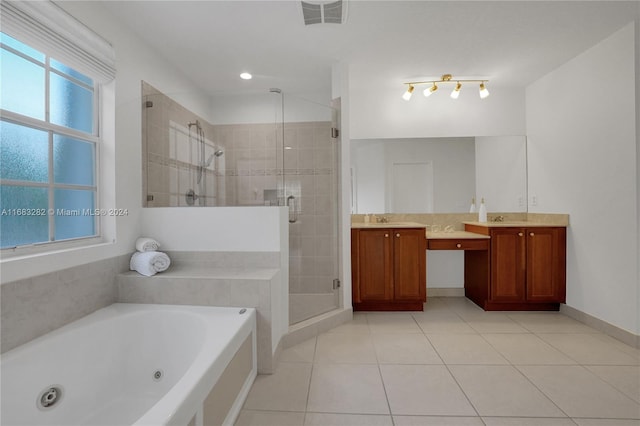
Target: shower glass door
pixel 311 192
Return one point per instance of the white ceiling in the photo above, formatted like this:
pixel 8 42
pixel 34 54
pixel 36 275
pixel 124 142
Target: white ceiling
pixel 512 43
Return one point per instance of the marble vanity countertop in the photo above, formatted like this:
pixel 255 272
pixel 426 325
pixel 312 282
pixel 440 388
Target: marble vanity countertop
pixel 455 235
pixel 362 225
pixel 514 224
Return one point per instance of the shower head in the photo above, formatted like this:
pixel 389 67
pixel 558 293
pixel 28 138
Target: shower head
pixel 275 90
pixel 218 153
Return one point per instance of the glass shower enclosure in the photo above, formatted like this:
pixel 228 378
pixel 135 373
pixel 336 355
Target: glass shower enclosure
pixel 256 149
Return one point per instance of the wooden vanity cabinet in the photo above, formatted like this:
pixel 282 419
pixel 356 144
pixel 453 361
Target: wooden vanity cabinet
pixel 527 270
pixel 388 268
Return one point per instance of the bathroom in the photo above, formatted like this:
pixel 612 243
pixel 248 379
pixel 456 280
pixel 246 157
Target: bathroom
pixel 582 133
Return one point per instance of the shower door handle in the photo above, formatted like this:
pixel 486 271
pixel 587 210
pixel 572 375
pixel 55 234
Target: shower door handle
pixel 293 213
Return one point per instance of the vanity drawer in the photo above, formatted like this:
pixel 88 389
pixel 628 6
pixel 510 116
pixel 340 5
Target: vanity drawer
pixel 457 244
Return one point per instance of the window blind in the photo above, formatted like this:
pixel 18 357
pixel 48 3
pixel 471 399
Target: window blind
pixel 47 27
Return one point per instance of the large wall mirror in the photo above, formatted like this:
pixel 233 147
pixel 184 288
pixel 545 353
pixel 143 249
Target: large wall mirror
pixel 439 175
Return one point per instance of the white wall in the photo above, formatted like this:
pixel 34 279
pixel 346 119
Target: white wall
pixel 582 161
pixel 380 113
pixel 368 173
pixel 215 228
pixel 252 107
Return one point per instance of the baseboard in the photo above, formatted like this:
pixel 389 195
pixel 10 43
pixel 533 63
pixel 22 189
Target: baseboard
pixel 624 336
pixel 445 292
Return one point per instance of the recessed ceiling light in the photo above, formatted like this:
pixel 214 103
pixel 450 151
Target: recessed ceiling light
pixel 246 76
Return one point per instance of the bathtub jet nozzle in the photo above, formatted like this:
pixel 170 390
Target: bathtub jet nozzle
pixel 49 397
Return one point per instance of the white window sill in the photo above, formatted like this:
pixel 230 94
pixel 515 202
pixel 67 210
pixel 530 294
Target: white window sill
pixel 41 250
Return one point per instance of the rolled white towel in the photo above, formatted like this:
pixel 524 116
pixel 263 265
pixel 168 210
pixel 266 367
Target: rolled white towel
pixel 147 244
pixel 149 262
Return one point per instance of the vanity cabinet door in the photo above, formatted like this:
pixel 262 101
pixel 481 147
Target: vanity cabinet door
pixel 409 258
pixel 508 265
pixel 388 269
pixel 375 273
pixel 546 267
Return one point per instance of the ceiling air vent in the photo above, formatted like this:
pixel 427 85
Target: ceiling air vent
pixel 319 12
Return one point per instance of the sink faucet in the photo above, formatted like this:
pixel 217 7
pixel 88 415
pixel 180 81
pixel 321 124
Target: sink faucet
pixel 498 219
pixel 382 219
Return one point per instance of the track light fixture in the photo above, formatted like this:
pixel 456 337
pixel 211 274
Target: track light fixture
pixel 446 78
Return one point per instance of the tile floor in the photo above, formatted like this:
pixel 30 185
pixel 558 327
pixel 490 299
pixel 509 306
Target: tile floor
pixel 452 364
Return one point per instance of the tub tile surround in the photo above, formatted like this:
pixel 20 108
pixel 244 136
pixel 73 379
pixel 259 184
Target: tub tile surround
pixel 35 306
pixel 243 279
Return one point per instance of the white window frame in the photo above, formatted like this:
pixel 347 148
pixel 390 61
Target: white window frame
pixel 47 28
pixel 47 126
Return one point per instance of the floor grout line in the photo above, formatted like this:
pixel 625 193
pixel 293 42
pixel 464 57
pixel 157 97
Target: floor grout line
pixel 464 313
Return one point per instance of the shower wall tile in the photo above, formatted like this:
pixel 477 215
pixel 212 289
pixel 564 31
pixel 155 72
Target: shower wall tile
pixel 259 138
pixel 306 158
pixel 307 225
pixel 242 138
pixel 166 142
pixel 174 174
pixel 291 159
pixel 325 225
pixel 322 158
pixel 183 147
pixel 308 246
pixel 35 306
pixel 324 245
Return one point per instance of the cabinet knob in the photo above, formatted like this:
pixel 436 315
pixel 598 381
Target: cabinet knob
pixel 386 235
pixel 458 245
pixel 531 234
pixel 398 235
pixel 520 234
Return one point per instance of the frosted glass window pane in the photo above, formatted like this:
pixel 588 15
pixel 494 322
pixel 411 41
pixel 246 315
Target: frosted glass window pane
pixel 71 105
pixel 73 161
pixel 21 47
pixel 24 217
pixel 24 153
pixel 21 85
pixel 72 218
pixel 70 71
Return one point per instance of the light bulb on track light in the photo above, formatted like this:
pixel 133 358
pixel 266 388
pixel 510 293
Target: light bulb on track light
pixel 456 92
pixel 407 94
pixel 430 90
pixel 483 91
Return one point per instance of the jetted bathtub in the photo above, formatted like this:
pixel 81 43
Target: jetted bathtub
pixel 132 364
